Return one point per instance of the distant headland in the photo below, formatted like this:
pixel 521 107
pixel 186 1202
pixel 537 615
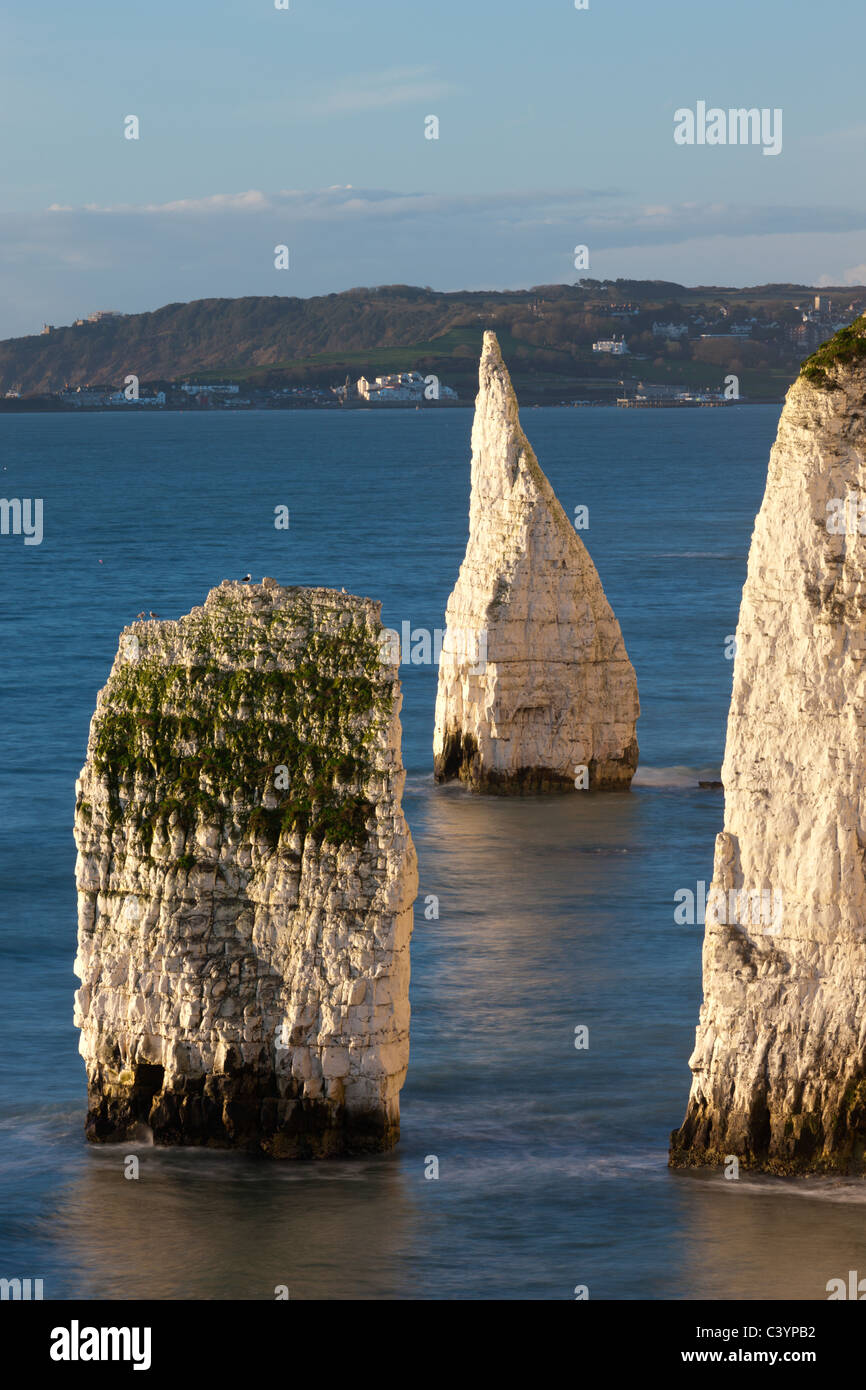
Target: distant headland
pixel 593 342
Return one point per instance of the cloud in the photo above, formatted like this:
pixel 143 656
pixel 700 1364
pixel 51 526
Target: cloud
pixel 344 200
pixel 253 200
pixel 65 261
pixel 856 275
pixel 606 212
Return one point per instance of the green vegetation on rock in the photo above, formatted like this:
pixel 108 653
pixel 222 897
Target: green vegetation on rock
pixel 202 743
pixel 845 348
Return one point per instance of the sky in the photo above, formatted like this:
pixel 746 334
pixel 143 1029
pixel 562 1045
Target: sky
pixel 305 127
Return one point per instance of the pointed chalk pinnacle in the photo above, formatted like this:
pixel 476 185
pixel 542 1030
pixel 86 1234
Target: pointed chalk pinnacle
pixel 536 691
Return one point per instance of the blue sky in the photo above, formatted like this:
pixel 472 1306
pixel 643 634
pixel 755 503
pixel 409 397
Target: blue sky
pixel 306 127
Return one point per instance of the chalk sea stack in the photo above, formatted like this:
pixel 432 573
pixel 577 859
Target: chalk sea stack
pixel 779 1066
pixel 534 678
pixel 246 879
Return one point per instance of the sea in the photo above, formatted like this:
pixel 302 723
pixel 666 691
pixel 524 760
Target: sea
pixel 529 1167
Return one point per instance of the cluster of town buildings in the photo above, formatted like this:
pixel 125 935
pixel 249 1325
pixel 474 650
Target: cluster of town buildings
pixel 222 394
pixel 399 386
pixel 107 395
pixel 815 323
pixel 648 394
pixel 819 322
pixel 98 316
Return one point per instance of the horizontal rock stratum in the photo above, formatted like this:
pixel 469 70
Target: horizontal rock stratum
pixel 246 879
pixel 536 691
pixel 779 1066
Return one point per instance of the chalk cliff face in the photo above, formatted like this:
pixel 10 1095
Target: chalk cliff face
pixel 246 879
pixel 780 1059
pixel 534 679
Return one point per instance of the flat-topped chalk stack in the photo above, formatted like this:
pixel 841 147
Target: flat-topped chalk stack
pixel 246 879
pixel 536 691
pixel 779 1066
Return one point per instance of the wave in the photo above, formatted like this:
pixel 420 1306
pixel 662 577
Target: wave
pixel 416 780
pixel 821 1189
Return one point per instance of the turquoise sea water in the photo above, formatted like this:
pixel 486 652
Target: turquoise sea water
pixel 554 912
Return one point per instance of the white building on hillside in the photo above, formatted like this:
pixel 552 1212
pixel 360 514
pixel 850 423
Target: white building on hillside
pixel 401 386
pixel 617 347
